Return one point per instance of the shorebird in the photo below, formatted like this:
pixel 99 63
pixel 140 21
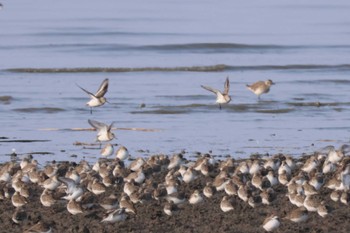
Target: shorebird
pixel 126 203
pixel 97 188
pixel 196 197
pixel 189 175
pixel 323 210
pixel 46 198
pixel 107 150
pixel 221 97
pixel 226 204
pixel 74 207
pixel 170 208
pixel 98 98
pixel 19 216
pixel 103 131
pixel 271 223
pixel 177 198
pixel 39 227
pixel 115 216
pixel 51 183
pixel 298 215
pixel 122 153
pixel 18 200
pixel 260 87
pixel 175 161
pixel 137 164
pixel 208 190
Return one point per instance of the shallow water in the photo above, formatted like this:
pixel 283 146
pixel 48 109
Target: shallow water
pixel 159 53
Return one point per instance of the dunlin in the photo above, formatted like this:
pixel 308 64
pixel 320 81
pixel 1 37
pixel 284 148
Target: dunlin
pixel 170 208
pixel 208 190
pixel 116 215
pixel 51 169
pixel 272 163
pixel 98 98
pixel 19 215
pixel 260 87
pixel 177 198
pixel 310 164
pixel 189 175
pixel 107 150
pixel 226 204
pixel 46 198
pixel 328 167
pixel 231 188
pixel 138 176
pixel 122 153
pixel 221 97
pixel 196 197
pixel 311 203
pixel 271 223
pixel 126 203
pixel 255 167
pixel 97 188
pixel 284 167
pixel 298 215
pixel 345 198
pixel 272 178
pixel 74 207
pixel 309 189
pixel 159 192
pixel 175 161
pixel 323 209
pixel 51 183
pixel 18 200
pixel 284 177
pixel 257 181
pixel 334 156
pixel 103 131
pixel 335 196
pixel 254 200
pixel 243 193
pixel 317 181
pixel 39 227
pixel 136 164
pixel 268 196
pixel 130 187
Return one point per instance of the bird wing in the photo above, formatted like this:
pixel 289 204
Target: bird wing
pixel 88 92
pixel 96 124
pixel 227 86
pixel 255 85
pixel 110 126
pixel 102 89
pixel 210 89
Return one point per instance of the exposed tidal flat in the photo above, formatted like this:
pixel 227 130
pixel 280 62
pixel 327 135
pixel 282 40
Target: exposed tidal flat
pixel 207 193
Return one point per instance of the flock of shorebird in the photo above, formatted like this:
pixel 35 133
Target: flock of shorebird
pixel 115 188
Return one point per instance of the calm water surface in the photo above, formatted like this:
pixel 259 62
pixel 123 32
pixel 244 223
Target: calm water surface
pixel 170 48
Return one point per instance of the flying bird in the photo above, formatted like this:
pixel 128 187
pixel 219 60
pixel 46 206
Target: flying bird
pixel 104 133
pixel 221 97
pixel 98 98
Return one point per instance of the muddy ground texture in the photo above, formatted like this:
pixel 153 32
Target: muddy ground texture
pixel 203 217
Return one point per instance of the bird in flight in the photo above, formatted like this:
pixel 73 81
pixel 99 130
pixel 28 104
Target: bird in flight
pixel 221 97
pixel 104 133
pixel 98 98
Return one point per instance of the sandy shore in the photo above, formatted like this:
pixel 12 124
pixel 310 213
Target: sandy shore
pixel 205 216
